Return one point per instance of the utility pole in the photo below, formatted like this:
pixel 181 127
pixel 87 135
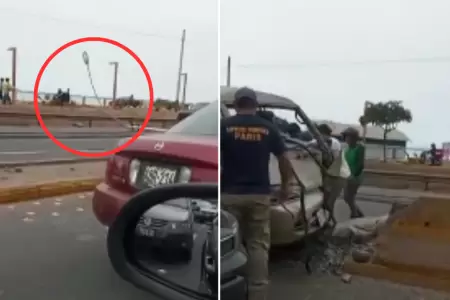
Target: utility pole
pixel 229 71
pixel 180 66
pixel 185 77
pixel 116 70
pixel 364 133
pixel 14 72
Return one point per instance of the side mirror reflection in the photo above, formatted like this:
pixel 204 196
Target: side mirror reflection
pixel 165 240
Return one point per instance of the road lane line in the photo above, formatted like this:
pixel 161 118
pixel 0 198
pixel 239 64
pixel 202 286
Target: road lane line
pixel 21 152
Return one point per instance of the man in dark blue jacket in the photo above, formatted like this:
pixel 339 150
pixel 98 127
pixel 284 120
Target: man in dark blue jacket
pixel 246 144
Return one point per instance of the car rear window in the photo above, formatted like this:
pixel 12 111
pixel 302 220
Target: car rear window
pixel 181 203
pixel 202 122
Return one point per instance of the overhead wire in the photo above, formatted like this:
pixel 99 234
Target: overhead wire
pixel 115 27
pixel 327 64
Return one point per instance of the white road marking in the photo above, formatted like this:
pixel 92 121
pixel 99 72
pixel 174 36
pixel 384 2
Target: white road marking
pixel 21 152
pixel 42 152
pixel 31 213
pixel 37 203
pixel 27 220
pixel 95 151
pixel 55 214
pixel 80 209
pixel 58 203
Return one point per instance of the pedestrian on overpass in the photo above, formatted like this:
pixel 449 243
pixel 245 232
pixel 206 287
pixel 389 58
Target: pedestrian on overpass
pixel 246 142
pixel 355 157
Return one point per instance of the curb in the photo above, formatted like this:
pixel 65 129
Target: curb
pixel 46 190
pixel 15 164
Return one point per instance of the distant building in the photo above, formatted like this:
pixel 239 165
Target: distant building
pixel 395 141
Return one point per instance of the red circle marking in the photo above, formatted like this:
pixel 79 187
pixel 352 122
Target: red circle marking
pixel 36 101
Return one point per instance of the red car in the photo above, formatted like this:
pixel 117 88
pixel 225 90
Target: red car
pixel 187 152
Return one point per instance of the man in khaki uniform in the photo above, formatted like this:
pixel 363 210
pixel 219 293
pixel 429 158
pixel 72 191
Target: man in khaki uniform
pixel 246 142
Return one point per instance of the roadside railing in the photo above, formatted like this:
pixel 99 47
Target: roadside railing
pixel 23 96
pixel 411 179
pixel 84 119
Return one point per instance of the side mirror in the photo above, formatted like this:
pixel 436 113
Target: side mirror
pixel 157 244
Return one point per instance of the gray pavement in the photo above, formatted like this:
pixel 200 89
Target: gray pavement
pixel 60 254
pixel 294 284
pixel 42 149
pixel 52 251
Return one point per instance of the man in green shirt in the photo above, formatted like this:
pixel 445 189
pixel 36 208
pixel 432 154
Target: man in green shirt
pixel 355 156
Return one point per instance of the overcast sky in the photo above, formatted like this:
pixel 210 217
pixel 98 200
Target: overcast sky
pixel 304 50
pixel 151 28
pixel 307 50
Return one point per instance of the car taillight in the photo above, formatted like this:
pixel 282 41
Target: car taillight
pixel 117 170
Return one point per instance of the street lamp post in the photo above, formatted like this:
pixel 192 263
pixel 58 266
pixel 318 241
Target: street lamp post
pixel 14 71
pixel 366 105
pixel 116 70
pixel 185 80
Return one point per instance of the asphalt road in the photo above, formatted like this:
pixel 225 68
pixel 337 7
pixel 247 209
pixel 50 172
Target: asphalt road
pixel 43 149
pixel 52 251
pixel 57 251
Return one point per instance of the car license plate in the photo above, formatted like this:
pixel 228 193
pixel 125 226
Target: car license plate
pixel 146 232
pixel 152 176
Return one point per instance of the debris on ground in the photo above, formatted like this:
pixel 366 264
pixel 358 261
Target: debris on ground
pixel 78 125
pixel 346 278
pixel 360 229
pixel 327 252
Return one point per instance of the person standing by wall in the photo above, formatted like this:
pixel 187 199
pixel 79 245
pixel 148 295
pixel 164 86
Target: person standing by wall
pixel 6 90
pixel 355 157
pixel 2 80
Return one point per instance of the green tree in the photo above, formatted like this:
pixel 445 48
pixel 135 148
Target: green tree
pixel 387 115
